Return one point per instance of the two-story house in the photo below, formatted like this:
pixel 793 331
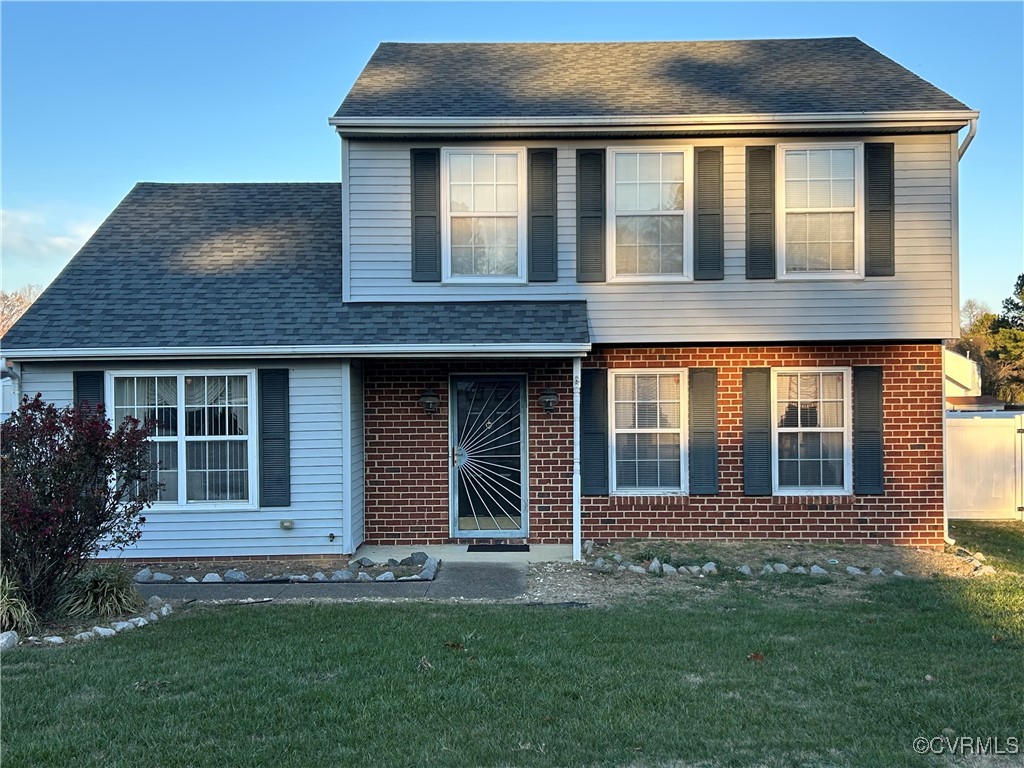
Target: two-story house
pixel 562 292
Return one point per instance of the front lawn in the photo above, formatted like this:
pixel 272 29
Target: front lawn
pixel 1002 542
pixel 787 671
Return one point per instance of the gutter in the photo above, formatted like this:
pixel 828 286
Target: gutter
pixel 767 118
pixel 324 350
pixel 971 132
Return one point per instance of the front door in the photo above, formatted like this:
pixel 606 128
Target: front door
pixel 488 456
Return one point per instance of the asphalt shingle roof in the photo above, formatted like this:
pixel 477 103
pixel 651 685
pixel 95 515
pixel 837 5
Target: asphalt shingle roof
pixel 519 80
pixel 184 265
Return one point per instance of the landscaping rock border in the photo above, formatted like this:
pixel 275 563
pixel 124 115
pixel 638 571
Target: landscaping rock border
pixel 157 609
pixel 353 572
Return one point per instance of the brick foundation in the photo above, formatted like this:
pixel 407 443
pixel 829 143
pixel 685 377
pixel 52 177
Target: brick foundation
pixel 407 453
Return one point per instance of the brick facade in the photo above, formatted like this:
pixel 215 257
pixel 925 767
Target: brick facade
pixel 407 453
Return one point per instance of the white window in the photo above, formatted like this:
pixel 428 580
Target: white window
pixel 650 231
pixel 484 214
pixel 202 444
pixel 812 438
pixel 820 189
pixel 647 419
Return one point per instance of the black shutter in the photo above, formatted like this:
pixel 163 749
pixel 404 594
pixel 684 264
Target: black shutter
pixel 88 387
pixel 703 430
pixel 709 256
pixel 590 213
pixel 541 232
pixel 757 432
pixel 760 213
pixel 275 459
pixel 879 218
pixel 867 430
pixel 426 215
pixel 594 432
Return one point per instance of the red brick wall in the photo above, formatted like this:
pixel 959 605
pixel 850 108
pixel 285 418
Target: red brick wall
pixel 407 453
pixel 910 511
pixel 407 462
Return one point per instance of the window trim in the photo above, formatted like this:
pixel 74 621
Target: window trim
pixel 847 488
pixel 684 420
pixel 687 151
pixel 182 504
pixel 859 202
pixel 520 278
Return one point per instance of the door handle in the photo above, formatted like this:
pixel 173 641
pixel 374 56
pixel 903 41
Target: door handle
pixel 454 457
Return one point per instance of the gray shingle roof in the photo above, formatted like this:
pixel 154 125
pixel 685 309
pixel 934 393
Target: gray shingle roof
pixel 184 265
pixel 513 80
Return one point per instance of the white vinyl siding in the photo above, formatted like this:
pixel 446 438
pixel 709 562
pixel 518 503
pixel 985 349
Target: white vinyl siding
pixel 915 304
pixel 317 474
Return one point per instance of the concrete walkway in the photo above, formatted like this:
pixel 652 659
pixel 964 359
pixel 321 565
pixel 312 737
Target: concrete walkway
pixel 470 580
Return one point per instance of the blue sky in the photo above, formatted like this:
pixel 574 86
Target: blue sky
pixel 98 96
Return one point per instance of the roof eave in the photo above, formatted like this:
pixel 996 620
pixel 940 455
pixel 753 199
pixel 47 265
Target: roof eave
pixel 298 351
pixel 937 120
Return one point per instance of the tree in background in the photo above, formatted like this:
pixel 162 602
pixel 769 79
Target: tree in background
pixel 997 343
pixel 14 303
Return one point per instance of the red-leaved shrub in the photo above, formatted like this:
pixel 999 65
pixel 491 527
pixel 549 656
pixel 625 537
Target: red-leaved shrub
pixel 71 485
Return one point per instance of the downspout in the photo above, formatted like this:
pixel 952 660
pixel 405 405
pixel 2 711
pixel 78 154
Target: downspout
pixel 945 489
pixel 12 371
pixel 577 513
pixel 971 131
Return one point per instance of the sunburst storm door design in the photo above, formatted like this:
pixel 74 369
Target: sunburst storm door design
pixel 488 456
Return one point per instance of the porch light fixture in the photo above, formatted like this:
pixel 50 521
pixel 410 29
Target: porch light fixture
pixel 430 400
pixel 548 400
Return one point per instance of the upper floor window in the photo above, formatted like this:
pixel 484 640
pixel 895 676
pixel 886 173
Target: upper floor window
pixel 822 210
pixel 650 230
pixel 484 211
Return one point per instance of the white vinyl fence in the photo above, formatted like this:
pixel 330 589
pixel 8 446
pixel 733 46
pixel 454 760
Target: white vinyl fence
pixel 985 465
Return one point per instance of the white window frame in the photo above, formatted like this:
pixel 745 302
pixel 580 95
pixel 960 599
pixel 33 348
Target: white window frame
pixel 182 504
pixel 857 273
pixel 688 214
pixel 684 420
pixel 828 490
pixel 520 278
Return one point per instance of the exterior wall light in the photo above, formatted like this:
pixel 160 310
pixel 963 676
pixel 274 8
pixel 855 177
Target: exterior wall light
pixel 430 400
pixel 548 400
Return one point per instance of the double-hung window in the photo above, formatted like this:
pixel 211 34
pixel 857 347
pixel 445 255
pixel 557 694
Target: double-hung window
pixel 650 231
pixel 202 446
pixel 812 415
pixel 647 421
pixel 821 194
pixel 483 232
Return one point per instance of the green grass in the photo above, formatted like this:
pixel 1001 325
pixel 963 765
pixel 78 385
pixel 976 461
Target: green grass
pixel 1002 543
pixel 658 683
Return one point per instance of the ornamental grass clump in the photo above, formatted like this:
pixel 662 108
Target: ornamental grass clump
pixel 14 612
pixel 73 484
pixel 105 591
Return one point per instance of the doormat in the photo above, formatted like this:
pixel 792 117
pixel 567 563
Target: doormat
pixel 498 548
